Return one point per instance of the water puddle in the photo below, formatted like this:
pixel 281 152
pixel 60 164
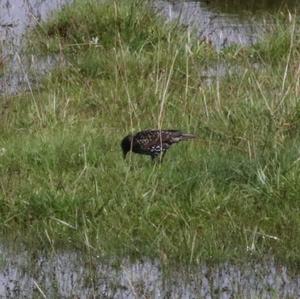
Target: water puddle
pixel 215 28
pixel 223 23
pixel 219 23
pixel 71 274
pixel 16 17
pixel 74 275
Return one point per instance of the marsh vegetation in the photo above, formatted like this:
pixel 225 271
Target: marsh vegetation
pixel 231 195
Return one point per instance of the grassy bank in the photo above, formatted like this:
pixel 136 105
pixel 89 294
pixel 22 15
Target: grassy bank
pixel 231 194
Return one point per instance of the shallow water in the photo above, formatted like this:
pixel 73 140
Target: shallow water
pixel 214 27
pixel 251 6
pixel 218 22
pixel 16 17
pixel 224 22
pixel 73 275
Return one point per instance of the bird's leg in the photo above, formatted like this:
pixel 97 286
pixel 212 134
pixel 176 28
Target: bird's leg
pixel 158 158
pixel 161 156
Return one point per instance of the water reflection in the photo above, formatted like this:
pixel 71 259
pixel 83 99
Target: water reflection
pixel 16 16
pixel 252 6
pixel 218 22
pixel 224 22
pixel 218 28
pixel 74 275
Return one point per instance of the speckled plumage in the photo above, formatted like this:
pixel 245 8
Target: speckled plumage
pixel 152 142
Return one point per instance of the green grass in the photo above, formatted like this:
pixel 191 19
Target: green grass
pixel 232 194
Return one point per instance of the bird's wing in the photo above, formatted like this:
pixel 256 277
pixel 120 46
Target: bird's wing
pixel 175 136
pixel 152 138
pixel 165 138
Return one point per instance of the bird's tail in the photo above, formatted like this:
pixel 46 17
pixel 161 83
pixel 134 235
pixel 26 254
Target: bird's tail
pixel 186 136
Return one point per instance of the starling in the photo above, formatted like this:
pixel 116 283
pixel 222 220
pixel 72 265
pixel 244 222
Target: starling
pixel 152 142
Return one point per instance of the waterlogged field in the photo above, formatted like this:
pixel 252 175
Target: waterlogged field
pixel 231 194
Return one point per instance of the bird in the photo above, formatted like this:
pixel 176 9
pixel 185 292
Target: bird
pixel 153 143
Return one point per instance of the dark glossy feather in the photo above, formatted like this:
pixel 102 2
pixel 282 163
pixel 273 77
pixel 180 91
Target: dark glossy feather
pixel 153 142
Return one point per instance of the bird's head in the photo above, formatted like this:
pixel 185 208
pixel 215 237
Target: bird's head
pixel 126 145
